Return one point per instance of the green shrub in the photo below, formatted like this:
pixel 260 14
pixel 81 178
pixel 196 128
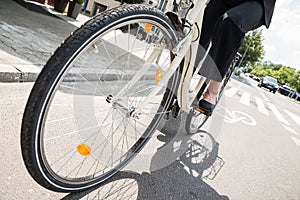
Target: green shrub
pixel 79 1
pixel 237 73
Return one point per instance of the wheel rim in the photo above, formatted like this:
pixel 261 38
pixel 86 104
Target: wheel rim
pixel 74 147
pixel 196 121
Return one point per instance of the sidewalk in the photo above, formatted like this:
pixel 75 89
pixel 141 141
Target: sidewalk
pixel 29 34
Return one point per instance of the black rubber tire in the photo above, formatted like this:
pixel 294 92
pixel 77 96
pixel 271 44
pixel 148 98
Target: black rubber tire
pixel 194 115
pixel 49 77
pixel 204 118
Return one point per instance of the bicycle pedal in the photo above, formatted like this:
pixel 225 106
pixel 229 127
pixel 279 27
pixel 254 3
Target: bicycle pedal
pixel 166 116
pixel 205 112
pixel 175 110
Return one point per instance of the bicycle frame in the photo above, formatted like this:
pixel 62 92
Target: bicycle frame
pixel 184 96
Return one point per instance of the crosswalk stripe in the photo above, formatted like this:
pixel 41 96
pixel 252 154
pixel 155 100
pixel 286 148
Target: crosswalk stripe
pixel 231 92
pixel 297 141
pixel 261 107
pixel 277 114
pixel 263 95
pixel 289 129
pixel 245 99
pixel 293 116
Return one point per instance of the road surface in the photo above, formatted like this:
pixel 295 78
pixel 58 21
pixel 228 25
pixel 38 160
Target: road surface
pixel 256 155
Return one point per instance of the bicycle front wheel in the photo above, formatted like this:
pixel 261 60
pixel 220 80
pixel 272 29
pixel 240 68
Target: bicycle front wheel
pixel 78 129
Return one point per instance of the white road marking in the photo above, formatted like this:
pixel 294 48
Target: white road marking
pixel 263 95
pixel 293 116
pixel 297 141
pixel 277 114
pixel 245 99
pixel 176 145
pixel 235 116
pixel 289 129
pixel 261 107
pixel 231 92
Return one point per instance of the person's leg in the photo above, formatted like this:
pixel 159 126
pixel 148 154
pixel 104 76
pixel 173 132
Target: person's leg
pixel 213 11
pixel 227 38
pixel 85 5
pixel 212 92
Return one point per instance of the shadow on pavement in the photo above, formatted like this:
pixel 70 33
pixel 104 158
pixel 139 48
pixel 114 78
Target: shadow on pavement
pixel 241 79
pixel 29 34
pixel 35 8
pixel 182 179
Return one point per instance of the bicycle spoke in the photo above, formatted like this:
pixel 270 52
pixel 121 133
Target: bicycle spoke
pixel 89 130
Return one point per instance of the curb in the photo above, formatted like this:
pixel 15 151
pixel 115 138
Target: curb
pixel 19 71
pixel 18 76
pixel 10 77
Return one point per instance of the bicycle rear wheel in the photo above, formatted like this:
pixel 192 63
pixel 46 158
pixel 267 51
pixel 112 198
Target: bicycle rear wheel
pixel 194 121
pixel 77 129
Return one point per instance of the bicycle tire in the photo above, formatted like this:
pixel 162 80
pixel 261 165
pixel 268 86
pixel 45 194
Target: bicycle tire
pixel 227 76
pixel 66 82
pixel 194 121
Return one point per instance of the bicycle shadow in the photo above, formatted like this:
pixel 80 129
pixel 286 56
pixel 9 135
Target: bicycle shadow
pixel 184 178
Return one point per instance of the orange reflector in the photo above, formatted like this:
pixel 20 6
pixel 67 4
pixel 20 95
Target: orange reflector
pixel 200 110
pixel 158 75
pixel 84 149
pixel 147 28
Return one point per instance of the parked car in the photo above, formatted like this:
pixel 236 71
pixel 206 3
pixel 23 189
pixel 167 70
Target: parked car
pixel 256 78
pixel 285 90
pixel 269 83
pixel 296 96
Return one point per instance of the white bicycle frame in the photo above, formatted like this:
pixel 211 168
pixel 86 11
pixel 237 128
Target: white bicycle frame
pixel 185 95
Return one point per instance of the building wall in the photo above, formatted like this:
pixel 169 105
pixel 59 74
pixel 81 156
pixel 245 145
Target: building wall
pixel 108 3
pixel 40 1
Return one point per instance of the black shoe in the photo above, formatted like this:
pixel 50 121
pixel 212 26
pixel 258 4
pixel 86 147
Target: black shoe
pixel 205 107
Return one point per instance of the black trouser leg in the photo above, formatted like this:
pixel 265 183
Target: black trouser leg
pixel 226 32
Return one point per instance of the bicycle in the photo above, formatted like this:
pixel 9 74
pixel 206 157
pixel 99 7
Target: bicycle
pixel 103 92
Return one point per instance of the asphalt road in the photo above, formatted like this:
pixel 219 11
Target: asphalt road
pixel 262 148
pixel 256 155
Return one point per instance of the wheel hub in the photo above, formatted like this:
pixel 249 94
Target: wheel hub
pixel 122 106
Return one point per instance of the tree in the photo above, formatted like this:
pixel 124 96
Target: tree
pixel 252 48
pixel 258 71
pixel 295 81
pixel 284 75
